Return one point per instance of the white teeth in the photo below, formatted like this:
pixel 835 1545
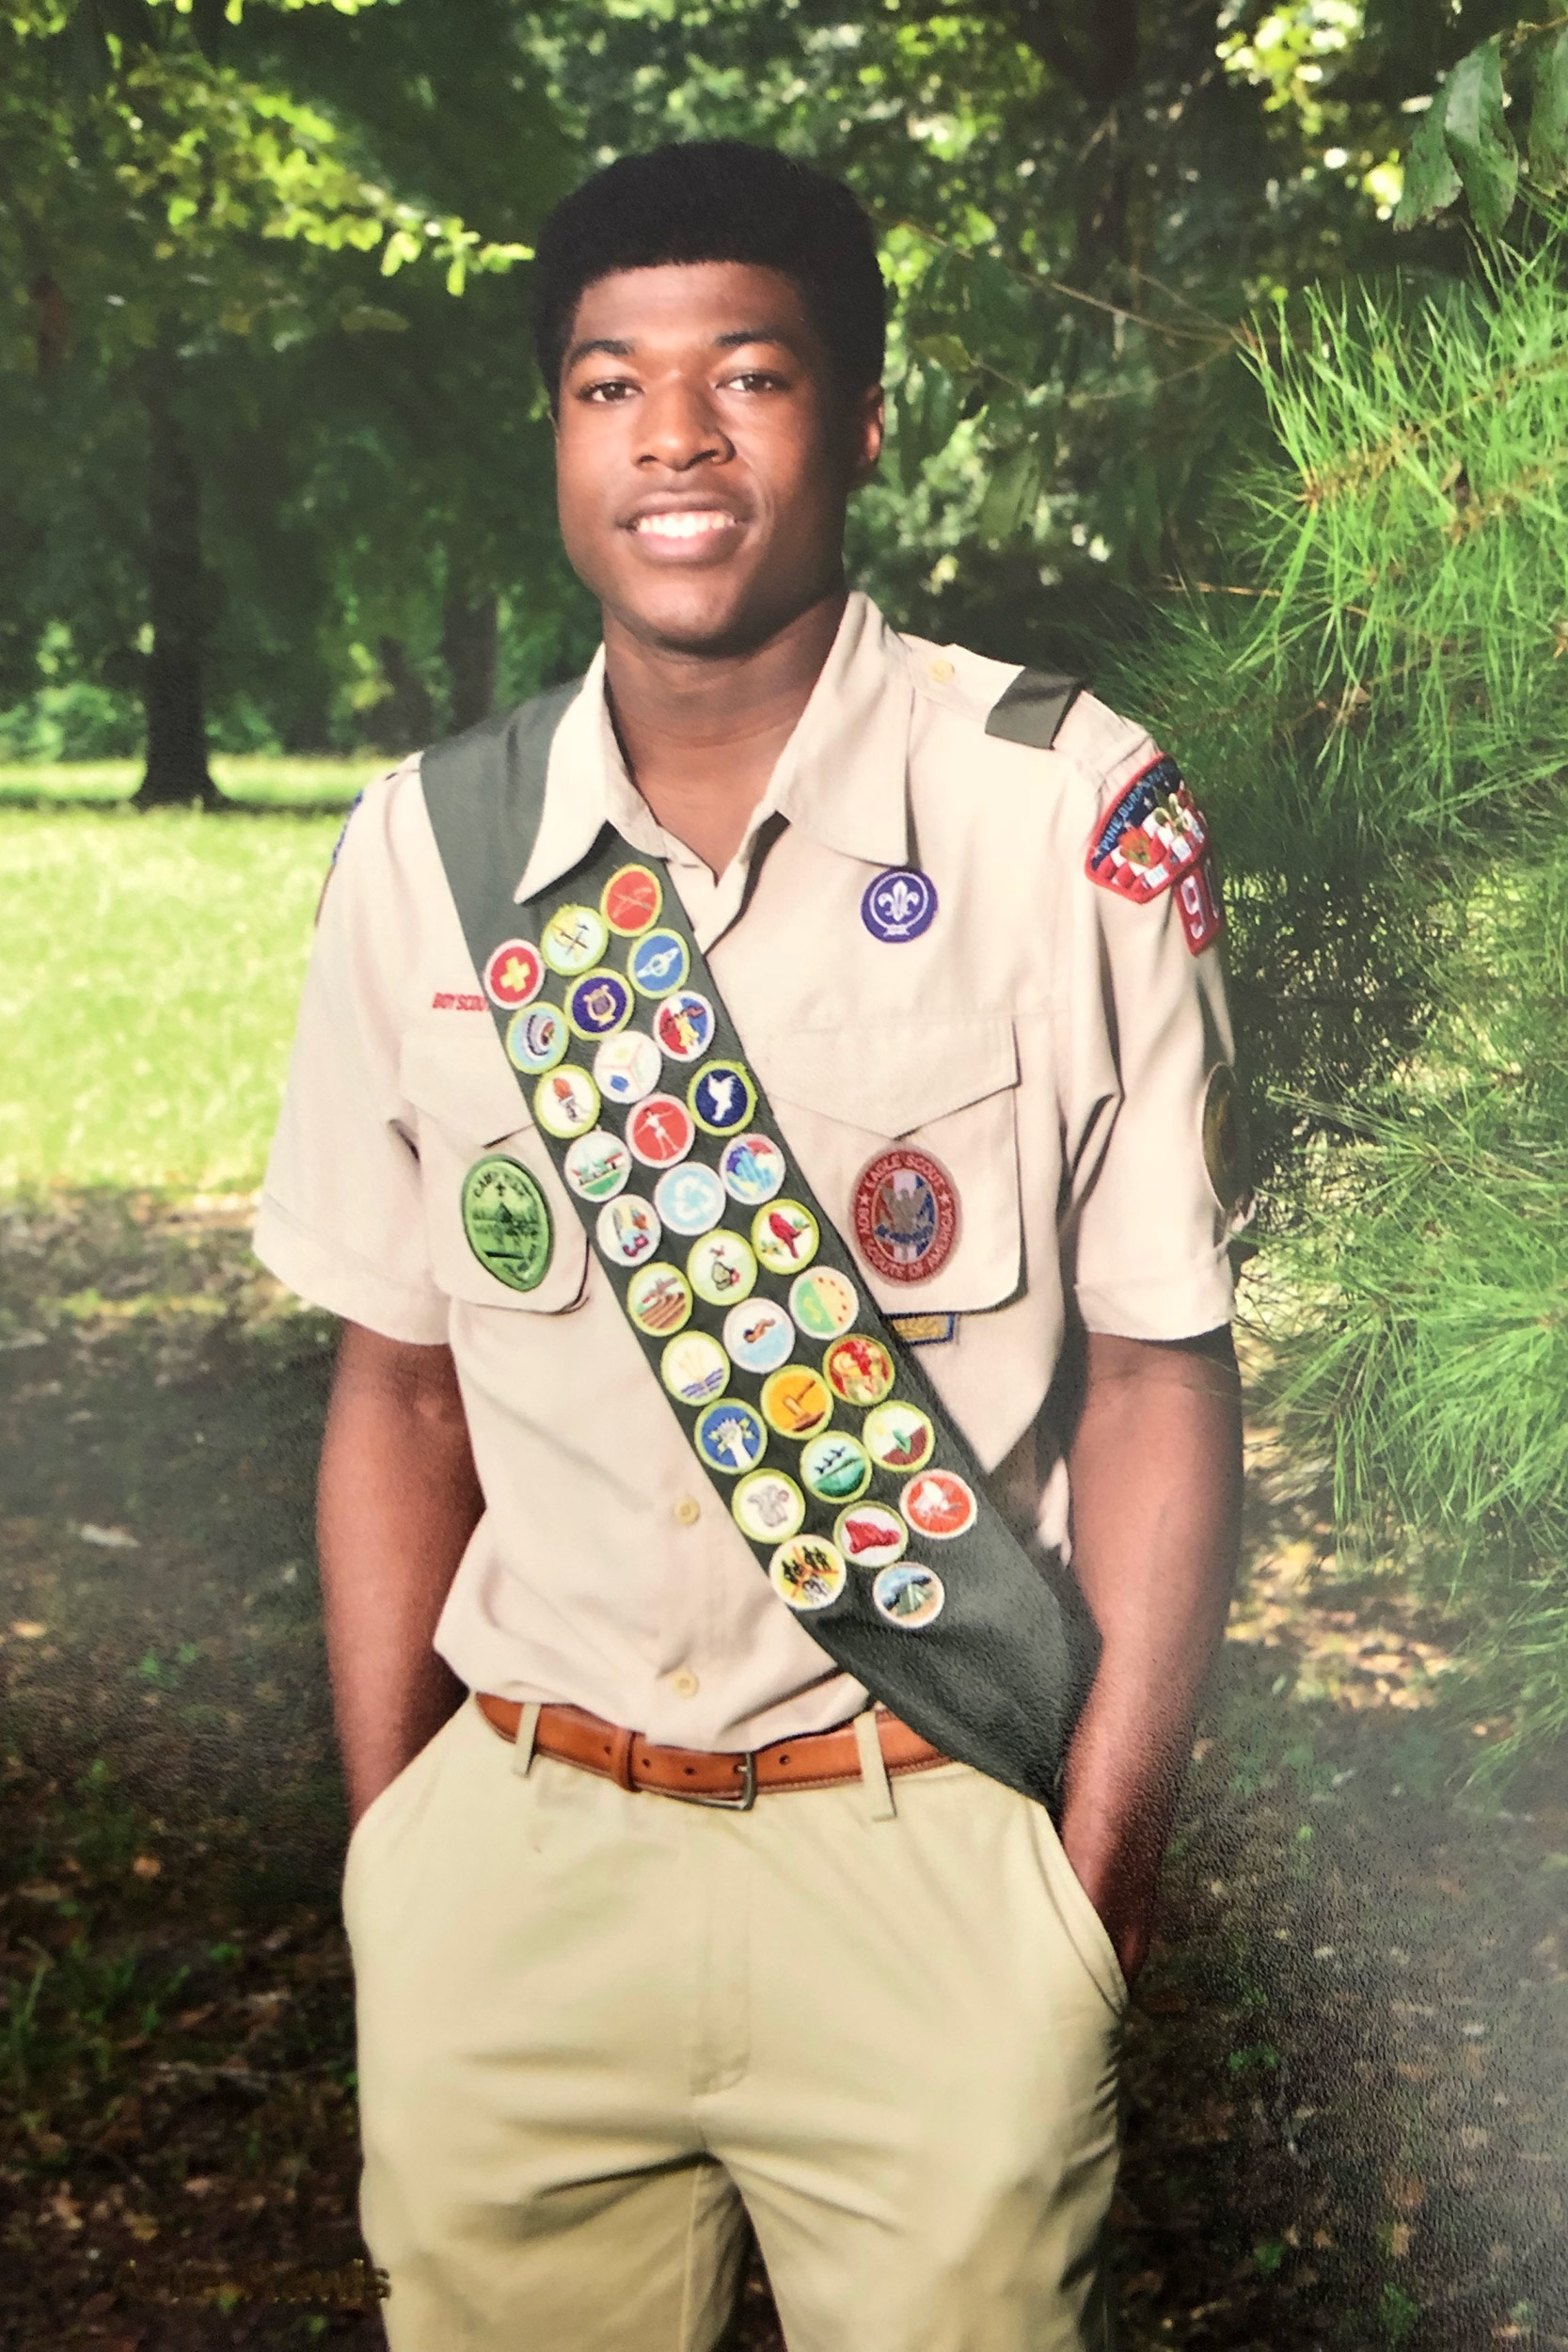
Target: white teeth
pixel 688 525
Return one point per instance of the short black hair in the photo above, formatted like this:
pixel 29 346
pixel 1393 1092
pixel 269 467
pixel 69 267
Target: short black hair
pixel 717 201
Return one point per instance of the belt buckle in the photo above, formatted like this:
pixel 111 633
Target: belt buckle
pixel 742 1799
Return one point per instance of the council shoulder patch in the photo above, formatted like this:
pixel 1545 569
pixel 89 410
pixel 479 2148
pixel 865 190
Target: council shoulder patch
pixel 1155 834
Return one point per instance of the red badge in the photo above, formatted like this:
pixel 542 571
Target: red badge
pixel 661 1130
pixel 1155 834
pixel 1198 901
pixel 631 900
pixel 906 1216
pixel 515 972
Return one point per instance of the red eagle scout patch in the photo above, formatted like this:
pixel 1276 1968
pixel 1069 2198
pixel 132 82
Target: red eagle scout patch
pixel 1156 839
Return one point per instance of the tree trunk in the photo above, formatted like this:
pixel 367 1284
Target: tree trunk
pixel 468 649
pixel 173 679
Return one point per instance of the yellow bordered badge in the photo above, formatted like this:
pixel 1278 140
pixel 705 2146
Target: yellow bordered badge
pixel 631 900
pixel 722 1098
pixel 835 1467
pixel 659 1300
pixel 807 1572
pixel 858 1370
pixel 785 1235
pixel 598 1003
pixel 574 938
pixel 797 1401
pixel 566 1103
pixel 506 1221
pixel 769 1507
pixel 898 1436
pixel 871 1535
pixel 537 1039
pixel 659 962
pixel 720 1268
pixel 695 1369
pixel 730 1436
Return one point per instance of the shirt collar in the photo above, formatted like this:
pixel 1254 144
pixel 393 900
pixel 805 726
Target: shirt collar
pixel 841 777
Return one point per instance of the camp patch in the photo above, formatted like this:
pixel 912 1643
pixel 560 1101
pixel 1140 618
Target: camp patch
pixel 507 1221
pixel 1155 834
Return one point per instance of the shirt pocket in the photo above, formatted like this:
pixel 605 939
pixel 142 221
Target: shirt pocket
pixel 466 1103
pixel 948 1088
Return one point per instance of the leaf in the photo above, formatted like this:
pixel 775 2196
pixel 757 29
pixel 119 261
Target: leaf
pixel 1476 131
pixel 1431 181
pixel 1011 496
pixel 1548 116
pixel 948 352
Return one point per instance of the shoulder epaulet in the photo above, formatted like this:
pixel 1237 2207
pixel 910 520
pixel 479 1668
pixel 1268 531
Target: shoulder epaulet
pixel 1032 708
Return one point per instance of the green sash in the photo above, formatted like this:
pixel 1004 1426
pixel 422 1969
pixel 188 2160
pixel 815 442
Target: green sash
pixel 984 1649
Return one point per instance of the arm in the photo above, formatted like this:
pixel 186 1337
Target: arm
pixel 1155 1463
pixel 397 1500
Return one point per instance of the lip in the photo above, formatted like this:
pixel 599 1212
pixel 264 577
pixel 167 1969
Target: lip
pixel 683 528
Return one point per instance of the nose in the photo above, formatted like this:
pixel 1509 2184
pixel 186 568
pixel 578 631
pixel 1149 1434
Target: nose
pixel 681 427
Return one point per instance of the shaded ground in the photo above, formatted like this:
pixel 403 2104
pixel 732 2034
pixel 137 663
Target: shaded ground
pixel 1348 2063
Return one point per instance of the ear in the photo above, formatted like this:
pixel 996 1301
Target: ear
pixel 866 425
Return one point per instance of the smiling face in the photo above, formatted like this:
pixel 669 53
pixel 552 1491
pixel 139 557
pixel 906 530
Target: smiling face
pixel 706 451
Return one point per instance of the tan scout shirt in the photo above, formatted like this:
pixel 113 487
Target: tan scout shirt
pixel 1047 1042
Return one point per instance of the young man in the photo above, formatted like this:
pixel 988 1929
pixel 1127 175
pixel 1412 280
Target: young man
pixel 836 959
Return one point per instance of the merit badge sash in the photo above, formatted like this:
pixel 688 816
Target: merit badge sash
pixel 862 1500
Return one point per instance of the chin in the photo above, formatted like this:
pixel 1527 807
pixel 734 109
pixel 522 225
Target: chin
pixel 701 620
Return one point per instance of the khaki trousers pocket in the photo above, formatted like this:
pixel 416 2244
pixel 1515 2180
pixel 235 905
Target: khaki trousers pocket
pixel 1087 1930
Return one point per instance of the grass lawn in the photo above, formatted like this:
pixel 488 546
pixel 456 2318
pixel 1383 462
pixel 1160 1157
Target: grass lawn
pixel 252 783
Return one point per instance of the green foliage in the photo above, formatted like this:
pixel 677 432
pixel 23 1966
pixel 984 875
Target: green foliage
pixel 1464 144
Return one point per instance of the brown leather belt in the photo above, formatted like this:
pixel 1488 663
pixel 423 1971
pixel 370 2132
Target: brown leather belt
pixel 820 1759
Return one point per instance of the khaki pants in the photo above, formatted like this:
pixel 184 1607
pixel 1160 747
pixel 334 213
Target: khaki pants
pixel 598 2029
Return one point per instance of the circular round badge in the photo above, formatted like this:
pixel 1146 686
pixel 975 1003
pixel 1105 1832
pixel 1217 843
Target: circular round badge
pixel 683 1025
pixel 722 1269
pixel 597 1164
pixel 871 1535
pixel 566 1103
pixel 759 1335
pixel 630 901
pixel 574 938
pixel 730 1437
pixel 598 1003
pixel 898 1436
pixel 507 1221
pixel 908 1594
pixel 515 974
pixel 858 1370
pixel 767 1506
pixel 752 1169
pixel 899 905
pixel 940 1503
pixel 797 1401
pixel 625 1068
pixel 823 1302
pixel 537 1040
pixel 836 1469
pixel 785 1236
pixel 660 1132
pixel 695 1368
pixel 659 1300
pixel 689 1198
pixel 722 1097
pixel 807 1573
pixel 659 962
pixel 627 1230
pixel 906 1216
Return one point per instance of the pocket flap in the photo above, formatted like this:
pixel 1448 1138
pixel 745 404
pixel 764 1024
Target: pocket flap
pixel 459 1076
pixel 889 1077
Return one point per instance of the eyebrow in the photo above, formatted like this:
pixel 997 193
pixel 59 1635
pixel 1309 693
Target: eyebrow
pixel 619 347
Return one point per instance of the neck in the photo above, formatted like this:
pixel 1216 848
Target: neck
pixel 702 734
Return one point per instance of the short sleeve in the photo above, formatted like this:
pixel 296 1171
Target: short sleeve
pixel 1148 1107
pixel 341 1220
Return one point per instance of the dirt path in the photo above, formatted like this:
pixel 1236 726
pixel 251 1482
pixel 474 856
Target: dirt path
pixel 1348 2063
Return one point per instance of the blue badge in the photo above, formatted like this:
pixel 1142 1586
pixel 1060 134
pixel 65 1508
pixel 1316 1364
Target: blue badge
pixel 899 905
pixel 598 1003
pixel 659 962
pixel 730 1437
pixel 722 1097
pixel 690 1200
pixel 753 1169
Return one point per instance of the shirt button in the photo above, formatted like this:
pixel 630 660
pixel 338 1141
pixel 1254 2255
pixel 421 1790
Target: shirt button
pixel 940 671
pixel 688 1511
pixel 685 1684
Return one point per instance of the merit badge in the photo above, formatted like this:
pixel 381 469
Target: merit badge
pixel 906 1216
pixel 807 1573
pixel 695 1368
pixel 1152 835
pixel 566 1103
pixel 837 1470
pixel 507 1222
pixel 659 1300
pixel 574 938
pixel 627 1230
pixel 899 905
pixel 1197 903
pixel 785 1236
pixel 515 974
pixel 858 1370
pixel 1225 1143
pixel 630 901
pixel 797 1403
pixel 538 1040
pixel 659 962
pixel 625 1068
pixel 683 1025
pixel 823 1302
pixel 753 1169
pixel 598 1003
pixel 722 1269
pixel 870 1535
pixel 660 1132
pixel 596 1166
pixel 767 1506
pixel 722 1097
pixel 690 1200
pixel 730 1437
pixel 907 1595
pixel 940 1503
pixel 898 1436
pixel 759 1335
